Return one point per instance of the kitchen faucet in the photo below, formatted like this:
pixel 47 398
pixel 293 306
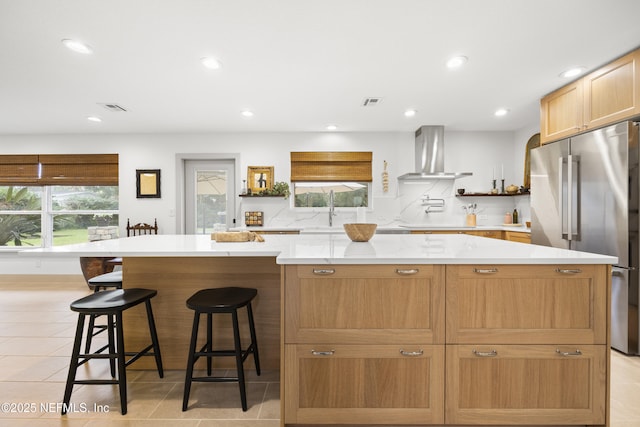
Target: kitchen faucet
pixel 332 208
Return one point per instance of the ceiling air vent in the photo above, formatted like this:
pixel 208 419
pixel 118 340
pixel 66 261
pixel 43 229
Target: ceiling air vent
pixel 114 108
pixel 371 102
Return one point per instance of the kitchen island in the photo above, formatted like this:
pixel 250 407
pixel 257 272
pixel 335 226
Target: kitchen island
pixel 404 329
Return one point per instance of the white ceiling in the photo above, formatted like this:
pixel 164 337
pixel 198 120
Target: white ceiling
pixel 298 64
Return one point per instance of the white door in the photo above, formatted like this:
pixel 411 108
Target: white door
pixel 209 195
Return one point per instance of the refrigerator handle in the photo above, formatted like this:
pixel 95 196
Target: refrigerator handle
pixel 561 198
pixel 573 196
pixel 569 197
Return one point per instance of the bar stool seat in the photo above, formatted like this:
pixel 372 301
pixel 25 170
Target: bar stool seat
pixel 216 301
pixel 98 283
pixel 111 303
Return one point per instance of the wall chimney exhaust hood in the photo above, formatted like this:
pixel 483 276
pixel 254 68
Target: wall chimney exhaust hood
pixel 430 157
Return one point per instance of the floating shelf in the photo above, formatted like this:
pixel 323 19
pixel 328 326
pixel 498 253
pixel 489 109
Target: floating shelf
pixel 491 195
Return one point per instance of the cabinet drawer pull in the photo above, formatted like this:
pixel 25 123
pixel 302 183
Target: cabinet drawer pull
pixel 412 353
pixel 485 270
pixel 568 271
pixel 407 272
pixel 323 353
pixel 324 271
pixel 569 353
pixel 491 353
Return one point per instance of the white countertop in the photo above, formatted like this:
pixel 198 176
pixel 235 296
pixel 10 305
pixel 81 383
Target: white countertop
pixel 335 249
pixel 336 229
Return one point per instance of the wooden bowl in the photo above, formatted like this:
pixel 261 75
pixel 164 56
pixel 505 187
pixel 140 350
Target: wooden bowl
pixel 360 232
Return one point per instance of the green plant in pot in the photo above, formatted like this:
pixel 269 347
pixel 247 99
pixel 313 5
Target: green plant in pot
pixel 279 189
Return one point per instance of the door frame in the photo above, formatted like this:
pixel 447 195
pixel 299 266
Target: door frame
pixel 181 159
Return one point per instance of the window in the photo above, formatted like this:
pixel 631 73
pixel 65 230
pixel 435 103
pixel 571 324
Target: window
pixel 315 175
pixel 345 194
pixel 54 215
pixel 51 199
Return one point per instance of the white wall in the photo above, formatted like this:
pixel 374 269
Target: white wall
pixel 476 152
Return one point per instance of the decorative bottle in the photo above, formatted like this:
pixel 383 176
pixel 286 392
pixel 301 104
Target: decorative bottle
pixel 515 216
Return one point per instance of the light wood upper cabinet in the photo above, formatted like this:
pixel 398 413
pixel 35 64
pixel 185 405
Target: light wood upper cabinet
pixel 607 95
pixel 612 93
pixel 561 112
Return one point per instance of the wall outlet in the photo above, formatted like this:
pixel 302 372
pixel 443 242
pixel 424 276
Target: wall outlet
pixel 483 217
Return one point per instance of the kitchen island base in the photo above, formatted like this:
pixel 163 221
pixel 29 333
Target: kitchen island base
pixel 177 278
pixel 492 345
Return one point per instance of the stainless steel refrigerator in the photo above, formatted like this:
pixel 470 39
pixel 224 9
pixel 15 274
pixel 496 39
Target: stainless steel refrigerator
pixel 584 196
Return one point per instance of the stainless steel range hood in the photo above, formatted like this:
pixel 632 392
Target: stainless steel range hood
pixel 430 156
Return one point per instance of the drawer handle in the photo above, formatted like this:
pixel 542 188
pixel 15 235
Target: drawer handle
pixel 323 353
pixel 491 353
pixel 324 271
pixel 569 353
pixel 568 271
pixel 412 353
pixel 485 270
pixel 407 272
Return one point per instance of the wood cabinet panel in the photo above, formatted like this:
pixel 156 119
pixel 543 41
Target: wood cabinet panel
pixel 372 304
pixel 364 384
pixel 526 305
pixel 561 112
pixel 526 384
pixel 612 93
pixel 517 236
pixel 492 234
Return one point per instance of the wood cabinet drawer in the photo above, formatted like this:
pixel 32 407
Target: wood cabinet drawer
pixel 523 304
pixel 562 384
pixel 364 304
pixel 517 236
pixel 364 384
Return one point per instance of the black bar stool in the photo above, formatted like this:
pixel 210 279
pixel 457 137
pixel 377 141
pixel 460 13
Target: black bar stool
pixel 215 301
pixel 111 280
pixel 111 303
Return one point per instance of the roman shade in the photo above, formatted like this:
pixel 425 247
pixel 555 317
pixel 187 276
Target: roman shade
pixel 19 169
pixel 331 166
pixel 59 169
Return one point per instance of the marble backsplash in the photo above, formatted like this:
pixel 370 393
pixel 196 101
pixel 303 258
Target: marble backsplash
pixel 427 203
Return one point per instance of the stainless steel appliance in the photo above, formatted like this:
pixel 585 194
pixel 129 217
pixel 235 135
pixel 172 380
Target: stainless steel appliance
pixel 584 196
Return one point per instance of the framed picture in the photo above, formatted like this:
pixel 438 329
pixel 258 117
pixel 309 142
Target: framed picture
pixel 147 183
pixel 259 178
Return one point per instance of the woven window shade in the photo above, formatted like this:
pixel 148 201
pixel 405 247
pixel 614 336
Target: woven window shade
pixel 19 169
pixel 331 166
pixel 79 169
pixel 59 169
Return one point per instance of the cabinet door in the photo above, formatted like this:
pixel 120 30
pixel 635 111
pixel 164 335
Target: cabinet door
pixel 517 236
pixel 366 304
pixel 561 112
pixel 492 234
pixel 526 384
pixel 367 384
pixel 526 304
pixel 612 93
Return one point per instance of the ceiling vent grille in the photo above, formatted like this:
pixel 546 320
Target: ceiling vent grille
pixel 114 108
pixel 371 102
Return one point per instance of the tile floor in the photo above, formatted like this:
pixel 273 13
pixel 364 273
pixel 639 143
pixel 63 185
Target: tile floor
pixel 36 335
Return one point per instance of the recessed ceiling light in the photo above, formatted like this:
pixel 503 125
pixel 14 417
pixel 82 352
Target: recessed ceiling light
pixel 211 63
pixel 77 46
pixel 332 127
pixel 410 113
pixel 246 113
pixel 457 61
pixel 95 119
pixel 501 112
pixel 572 72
